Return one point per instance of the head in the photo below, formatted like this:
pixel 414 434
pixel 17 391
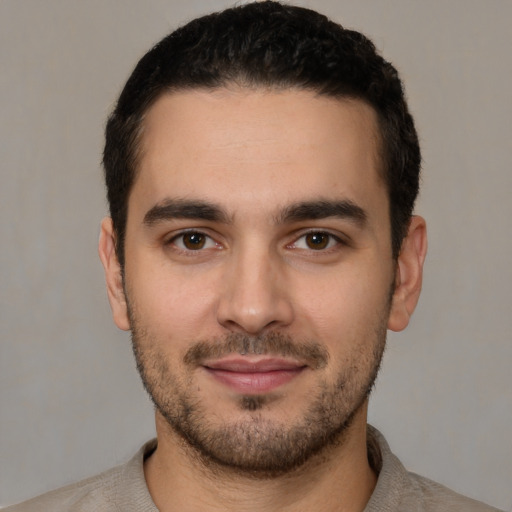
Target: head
pixel 273 46
pixel 261 168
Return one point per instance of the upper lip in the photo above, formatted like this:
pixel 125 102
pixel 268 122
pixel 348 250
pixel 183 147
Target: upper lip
pixel 240 364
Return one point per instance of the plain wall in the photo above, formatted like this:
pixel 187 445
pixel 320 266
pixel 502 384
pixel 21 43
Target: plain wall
pixel 71 403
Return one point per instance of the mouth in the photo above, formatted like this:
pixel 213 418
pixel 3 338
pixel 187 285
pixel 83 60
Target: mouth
pixel 253 376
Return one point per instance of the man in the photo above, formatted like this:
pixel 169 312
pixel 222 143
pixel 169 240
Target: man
pixel 261 168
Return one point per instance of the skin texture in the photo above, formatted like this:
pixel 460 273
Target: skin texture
pixel 258 234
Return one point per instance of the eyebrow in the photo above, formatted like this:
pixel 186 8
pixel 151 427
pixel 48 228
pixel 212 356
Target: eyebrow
pixel 322 209
pixel 170 209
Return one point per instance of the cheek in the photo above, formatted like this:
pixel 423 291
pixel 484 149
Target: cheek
pixel 344 306
pixel 174 307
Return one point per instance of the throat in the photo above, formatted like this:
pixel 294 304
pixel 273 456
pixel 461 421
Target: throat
pixel 337 478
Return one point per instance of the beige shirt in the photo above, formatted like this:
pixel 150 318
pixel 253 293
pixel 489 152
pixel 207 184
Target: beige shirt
pixel 124 489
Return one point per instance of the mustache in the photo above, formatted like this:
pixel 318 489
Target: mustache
pixel 272 343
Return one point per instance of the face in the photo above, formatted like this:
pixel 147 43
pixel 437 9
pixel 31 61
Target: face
pixel 259 279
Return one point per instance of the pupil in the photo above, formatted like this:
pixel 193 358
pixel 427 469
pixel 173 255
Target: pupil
pixel 317 240
pixel 194 241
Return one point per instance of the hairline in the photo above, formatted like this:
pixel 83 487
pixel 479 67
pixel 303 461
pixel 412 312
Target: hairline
pixel 137 150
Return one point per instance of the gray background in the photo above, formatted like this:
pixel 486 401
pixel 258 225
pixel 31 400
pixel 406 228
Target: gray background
pixel 71 403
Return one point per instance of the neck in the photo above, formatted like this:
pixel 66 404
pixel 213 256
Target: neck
pixel 337 479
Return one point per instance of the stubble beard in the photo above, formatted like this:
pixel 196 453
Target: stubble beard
pixel 257 446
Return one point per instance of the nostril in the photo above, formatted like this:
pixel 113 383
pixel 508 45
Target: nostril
pixel 253 320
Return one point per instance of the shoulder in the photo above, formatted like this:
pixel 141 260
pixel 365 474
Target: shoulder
pixel 122 488
pixel 435 497
pixel 398 490
pixel 84 495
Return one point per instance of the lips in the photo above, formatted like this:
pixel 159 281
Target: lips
pixel 253 376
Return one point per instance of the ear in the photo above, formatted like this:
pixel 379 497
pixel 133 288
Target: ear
pixel 409 274
pixel 113 276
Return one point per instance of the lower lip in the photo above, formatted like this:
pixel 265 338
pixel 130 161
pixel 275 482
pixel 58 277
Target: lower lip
pixel 254 382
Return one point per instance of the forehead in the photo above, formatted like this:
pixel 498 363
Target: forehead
pixel 262 146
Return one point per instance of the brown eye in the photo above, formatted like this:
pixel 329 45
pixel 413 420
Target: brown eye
pixel 194 241
pixel 317 241
pixel 191 241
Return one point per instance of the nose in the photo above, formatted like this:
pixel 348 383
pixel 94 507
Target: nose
pixel 254 296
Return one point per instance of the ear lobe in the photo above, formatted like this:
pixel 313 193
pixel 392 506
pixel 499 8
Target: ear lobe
pixel 113 275
pixel 409 274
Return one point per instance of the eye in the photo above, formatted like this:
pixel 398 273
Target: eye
pixel 316 241
pixel 193 241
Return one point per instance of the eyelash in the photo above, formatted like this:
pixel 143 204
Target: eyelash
pixel 332 243
pixel 185 250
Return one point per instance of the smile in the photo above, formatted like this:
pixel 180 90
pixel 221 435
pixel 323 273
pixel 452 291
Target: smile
pixel 251 376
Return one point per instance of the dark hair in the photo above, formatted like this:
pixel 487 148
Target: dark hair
pixel 272 45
